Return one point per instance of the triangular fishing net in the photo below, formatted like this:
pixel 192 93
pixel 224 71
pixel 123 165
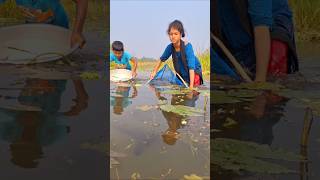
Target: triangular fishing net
pixel 219 66
pixel 166 76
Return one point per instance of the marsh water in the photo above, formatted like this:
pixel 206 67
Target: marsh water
pixel 151 142
pixel 265 122
pixel 52 120
pixel 48 128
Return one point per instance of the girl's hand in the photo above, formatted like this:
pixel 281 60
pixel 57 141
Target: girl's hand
pixel 134 74
pixel 153 73
pixel 77 38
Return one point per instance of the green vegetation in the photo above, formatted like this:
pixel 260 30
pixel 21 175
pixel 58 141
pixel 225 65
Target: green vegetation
pixel 204 57
pixel 306 18
pixel 241 156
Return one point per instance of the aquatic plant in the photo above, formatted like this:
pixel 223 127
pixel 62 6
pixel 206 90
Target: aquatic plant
pixel 306 15
pixel 182 110
pixel 90 76
pixel 241 156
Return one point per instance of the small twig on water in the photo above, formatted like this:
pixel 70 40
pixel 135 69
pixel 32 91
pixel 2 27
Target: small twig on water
pixel 117 174
pixel 18 49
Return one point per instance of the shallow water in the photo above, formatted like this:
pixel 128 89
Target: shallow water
pixel 276 122
pixel 45 134
pixel 141 131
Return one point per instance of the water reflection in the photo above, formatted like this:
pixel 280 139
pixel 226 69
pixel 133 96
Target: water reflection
pixel 34 121
pixel 174 120
pixel 178 142
pixel 253 120
pixel 120 98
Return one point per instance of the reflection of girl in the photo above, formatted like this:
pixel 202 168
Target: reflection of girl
pixel 186 64
pixel 253 125
pixel 174 120
pixel 28 131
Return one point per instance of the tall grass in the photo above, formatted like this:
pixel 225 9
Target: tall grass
pixel 306 15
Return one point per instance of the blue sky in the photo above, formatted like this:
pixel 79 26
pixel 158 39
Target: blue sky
pixel 141 24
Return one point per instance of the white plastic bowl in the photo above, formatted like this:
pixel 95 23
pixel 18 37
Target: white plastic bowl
pixel 19 44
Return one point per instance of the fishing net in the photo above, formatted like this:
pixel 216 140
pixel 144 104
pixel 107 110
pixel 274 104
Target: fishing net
pixel 220 66
pixel 166 76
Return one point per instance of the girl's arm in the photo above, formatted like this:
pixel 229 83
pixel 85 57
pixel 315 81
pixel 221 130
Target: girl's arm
pixel 191 74
pixel 77 37
pixel 135 66
pixel 260 13
pixel 262 49
pixel 155 69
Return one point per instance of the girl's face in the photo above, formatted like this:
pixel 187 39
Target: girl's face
pixel 174 35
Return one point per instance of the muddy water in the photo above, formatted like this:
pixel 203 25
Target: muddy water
pixel 276 121
pixel 154 143
pixel 45 134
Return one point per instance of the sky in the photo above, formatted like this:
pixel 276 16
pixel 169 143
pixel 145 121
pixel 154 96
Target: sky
pixel 142 24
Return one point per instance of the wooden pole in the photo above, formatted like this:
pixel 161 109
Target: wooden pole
pixel 233 60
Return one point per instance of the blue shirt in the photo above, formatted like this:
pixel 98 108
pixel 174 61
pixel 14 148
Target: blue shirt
pixel 125 59
pixel 192 61
pixel 59 18
pixel 271 13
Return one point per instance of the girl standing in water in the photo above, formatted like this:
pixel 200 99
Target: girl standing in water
pixel 186 64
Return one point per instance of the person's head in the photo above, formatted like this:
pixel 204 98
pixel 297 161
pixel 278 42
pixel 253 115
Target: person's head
pixel 169 137
pixel 118 108
pixel 175 31
pixel 117 48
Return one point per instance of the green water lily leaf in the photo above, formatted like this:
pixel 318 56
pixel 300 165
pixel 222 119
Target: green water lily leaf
pixel 229 122
pixel 259 86
pixel 221 97
pixel 162 102
pixel 176 91
pixel 90 75
pixel 243 93
pixel 192 177
pixel 182 110
pixel 238 156
pixel 204 92
pixel 101 147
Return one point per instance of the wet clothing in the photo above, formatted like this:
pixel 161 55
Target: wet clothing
pixel 125 59
pixel 233 23
pixel 182 64
pixel 52 11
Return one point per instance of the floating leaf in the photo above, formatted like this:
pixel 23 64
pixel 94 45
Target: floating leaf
pixel 221 97
pixel 89 75
pixel 229 122
pixel 101 147
pixel 260 86
pixel 182 110
pixel 237 156
pixel 192 177
pixel 161 102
